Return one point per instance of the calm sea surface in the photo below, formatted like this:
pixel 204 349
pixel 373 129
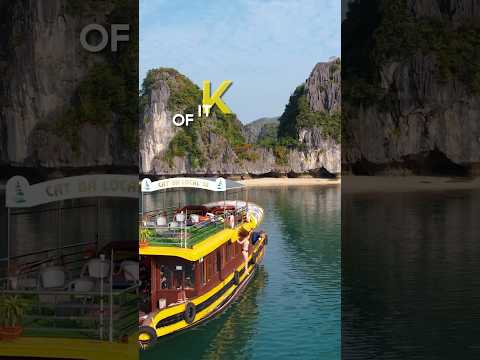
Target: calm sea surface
pixel 411 275
pixel 291 310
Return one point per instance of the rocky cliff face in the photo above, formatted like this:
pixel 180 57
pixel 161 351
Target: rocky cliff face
pixel 157 129
pixel 424 115
pixel 42 65
pixel 218 145
pixel 323 87
pixel 260 128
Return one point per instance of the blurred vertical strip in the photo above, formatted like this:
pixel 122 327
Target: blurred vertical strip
pixel 410 179
pixel 69 119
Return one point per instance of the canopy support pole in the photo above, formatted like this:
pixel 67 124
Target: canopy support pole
pixel 185 227
pixel 99 230
pixel 102 262
pixel 246 204
pixel 110 330
pixel 8 242
pixel 165 201
pixel 225 209
pixel 59 230
pixel 97 221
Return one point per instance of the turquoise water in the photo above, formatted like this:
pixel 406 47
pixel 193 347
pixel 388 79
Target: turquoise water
pixel 292 307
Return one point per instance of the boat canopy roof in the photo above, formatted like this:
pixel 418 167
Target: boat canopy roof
pixel 211 184
pixel 20 194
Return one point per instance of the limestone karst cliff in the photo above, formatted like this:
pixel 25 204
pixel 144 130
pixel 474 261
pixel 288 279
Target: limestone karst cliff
pixel 62 106
pixel 220 144
pixel 323 87
pixel 412 84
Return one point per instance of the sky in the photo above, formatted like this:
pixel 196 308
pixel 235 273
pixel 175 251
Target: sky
pixel 266 47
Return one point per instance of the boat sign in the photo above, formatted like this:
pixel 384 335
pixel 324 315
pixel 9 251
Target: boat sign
pixel 20 194
pixel 218 184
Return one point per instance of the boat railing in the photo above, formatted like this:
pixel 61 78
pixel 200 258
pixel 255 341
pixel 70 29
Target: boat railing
pixel 107 312
pixel 99 315
pixel 186 234
pixel 71 256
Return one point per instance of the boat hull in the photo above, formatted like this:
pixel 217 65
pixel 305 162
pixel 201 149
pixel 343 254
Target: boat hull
pixel 179 318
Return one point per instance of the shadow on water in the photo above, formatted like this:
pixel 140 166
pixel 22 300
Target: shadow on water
pixel 411 280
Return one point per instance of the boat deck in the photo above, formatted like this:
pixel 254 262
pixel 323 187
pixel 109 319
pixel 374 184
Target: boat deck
pixel 187 234
pixel 196 236
pixel 187 237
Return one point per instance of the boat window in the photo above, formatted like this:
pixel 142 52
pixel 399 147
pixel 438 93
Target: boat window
pixel 189 276
pixel 229 251
pixel 166 277
pixel 219 260
pixel 203 272
pixel 210 267
pixel 178 279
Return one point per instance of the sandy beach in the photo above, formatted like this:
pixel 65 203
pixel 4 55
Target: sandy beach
pixel 372 184
pixel 281 182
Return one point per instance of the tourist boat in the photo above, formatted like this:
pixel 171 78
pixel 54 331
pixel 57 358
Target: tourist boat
pixel 76 271
pixel 192 262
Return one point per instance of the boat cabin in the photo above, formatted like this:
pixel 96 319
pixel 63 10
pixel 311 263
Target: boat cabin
pixel 174 279
pixel 191 249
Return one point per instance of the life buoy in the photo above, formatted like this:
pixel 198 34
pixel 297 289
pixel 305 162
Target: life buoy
pixel 147 337
pixel 236 278
pixel 190 312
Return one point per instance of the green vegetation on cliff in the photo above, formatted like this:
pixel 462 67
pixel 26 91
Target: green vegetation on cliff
pixel 108 94
pixel 392 33
pixel 228 126
pixel 184 94
pixel 184 98
pixel 297 115
pixel 269 135
pixel 207 138
pixel 401 35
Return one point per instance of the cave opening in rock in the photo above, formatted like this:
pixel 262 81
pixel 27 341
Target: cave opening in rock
pixel 434 162
pixel 322 173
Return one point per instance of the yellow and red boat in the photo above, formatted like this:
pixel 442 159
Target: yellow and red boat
pixel 191 261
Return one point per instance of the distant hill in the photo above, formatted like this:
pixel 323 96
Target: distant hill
pixel 260 129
